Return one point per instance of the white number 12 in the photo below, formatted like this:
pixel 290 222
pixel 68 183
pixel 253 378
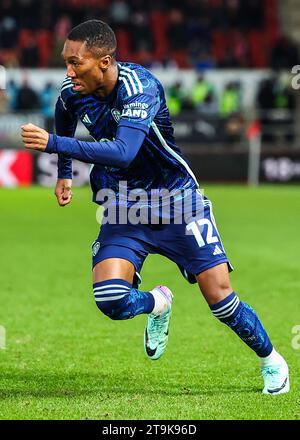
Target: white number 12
pixel 196 227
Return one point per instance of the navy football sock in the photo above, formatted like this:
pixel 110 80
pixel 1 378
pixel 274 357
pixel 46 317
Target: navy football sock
pixel 118 300
pixel 243 320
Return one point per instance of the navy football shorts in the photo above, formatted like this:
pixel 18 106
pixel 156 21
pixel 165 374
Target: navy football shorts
pixel 194 244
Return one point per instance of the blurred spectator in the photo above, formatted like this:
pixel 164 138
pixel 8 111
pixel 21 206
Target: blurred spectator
pixel 230 111
pixel 175 98
pixel 30 53
pixel 8 32
pixel 265 104
pixel 236 52
pixel 234 127
pixel 141 32
pixel 284 54
pixel 12 92
pixel 210 104
pixel 285 100
pixel 230 100
pixel 176 30
pixel 276 103
pixel 201 90
pixel 199 27
pixel 266 95
pixel 119 14
pixel 240 49
pixel 62 28
pixel 27 98
pixel 61 31
pixel 47 101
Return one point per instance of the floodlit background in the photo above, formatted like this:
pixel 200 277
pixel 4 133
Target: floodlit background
pixel 230 69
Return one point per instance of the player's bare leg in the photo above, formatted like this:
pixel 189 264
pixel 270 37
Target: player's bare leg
pixel 215 283
pixel 116 298
pixel 225 305
pixel 113 268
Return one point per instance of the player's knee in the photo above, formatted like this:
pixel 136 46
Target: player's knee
pixel 215 284
pixel 112 298
pixel 223 289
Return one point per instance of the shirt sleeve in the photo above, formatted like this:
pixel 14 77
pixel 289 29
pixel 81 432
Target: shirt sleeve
pixel 140 110
pixel 119 152
pixel 65 125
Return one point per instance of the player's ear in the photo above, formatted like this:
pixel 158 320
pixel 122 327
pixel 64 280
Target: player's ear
pixel 105 62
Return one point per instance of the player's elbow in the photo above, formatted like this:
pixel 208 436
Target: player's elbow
pixel 125 158
pixel 124 162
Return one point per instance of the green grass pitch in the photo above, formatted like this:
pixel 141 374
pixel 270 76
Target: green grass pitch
pixel 64 360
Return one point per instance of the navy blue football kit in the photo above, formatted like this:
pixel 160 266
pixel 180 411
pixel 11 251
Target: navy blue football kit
pixel 135 150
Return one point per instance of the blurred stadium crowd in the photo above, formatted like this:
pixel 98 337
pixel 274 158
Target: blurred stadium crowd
pixel 193 33
pixel 275 102
pixel 203 35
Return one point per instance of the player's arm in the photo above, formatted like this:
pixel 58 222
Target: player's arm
pixel 132 129
pixel 119 152
pixel 65 124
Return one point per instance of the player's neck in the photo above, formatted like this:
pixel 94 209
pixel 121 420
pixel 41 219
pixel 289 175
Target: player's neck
pixel 111 78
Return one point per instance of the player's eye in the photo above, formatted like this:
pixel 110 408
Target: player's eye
pixel 72 63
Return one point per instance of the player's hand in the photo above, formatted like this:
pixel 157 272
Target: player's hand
pixel 63 191
pixel 34 138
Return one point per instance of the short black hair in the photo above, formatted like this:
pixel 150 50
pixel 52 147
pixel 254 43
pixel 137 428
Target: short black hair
pixel 97 35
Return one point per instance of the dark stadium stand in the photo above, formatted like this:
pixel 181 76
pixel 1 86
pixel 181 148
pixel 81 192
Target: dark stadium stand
pixel 221 33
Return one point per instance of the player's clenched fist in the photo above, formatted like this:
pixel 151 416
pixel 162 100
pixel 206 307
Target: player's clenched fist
pixel 63 191
pixel 34 138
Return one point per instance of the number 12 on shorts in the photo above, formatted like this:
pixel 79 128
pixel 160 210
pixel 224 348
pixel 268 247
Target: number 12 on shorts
pixel 197 226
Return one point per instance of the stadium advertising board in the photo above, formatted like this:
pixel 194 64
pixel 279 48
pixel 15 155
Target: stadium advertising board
pixel 22 168
pixel 16 168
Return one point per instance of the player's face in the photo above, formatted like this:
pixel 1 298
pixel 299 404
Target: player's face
pixel 84 68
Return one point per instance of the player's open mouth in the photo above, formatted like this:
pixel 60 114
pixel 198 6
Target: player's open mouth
pixel 77 87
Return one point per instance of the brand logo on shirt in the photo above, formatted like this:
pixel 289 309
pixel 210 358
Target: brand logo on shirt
pixel 217 251
pixel 134 113
pixel 136 104
pixel 116 114
pixel 86 119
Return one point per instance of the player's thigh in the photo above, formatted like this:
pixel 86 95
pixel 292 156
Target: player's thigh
pixel 113 268
pixel 196 246
pixel 215 283
pixel 114 261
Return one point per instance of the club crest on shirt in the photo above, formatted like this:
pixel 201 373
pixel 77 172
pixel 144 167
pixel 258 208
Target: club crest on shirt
pixel 116 114
pixel 95 248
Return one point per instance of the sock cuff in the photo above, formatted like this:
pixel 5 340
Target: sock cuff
pixel 115 281
pixel 226 309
